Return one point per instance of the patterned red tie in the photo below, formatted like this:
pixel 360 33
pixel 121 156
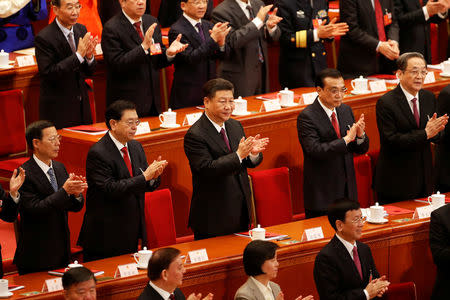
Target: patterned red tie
pixel 335 124
pixel 137 26
pixel 416 112
pixel 127 160
pixel 225 138
pixel 357 261
pixel 379 19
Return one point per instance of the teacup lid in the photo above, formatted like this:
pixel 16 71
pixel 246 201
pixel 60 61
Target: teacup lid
pixel 145 251
pixel 169 111
pixel 3 53
pixel 376 205
pixel 239 99
pixel 258 228
pixel 75 264
pixel 360 78
pixel 286 91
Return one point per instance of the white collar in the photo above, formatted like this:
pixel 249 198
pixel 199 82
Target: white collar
pixel 260 285
pixel 130 19
pixel 408 96
pixel 243 5
pixel 327 110
pixel 42 164
pixel 118 144
pixel 217 126
pixel 349 246
pixel 164 294
pixel 64 30
pixel 191 20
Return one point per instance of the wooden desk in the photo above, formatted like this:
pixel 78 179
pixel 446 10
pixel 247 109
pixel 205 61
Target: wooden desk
pixel 400 251
pixel 284 148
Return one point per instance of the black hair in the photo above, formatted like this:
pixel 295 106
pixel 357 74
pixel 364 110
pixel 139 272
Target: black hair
pixel 76 275
pixel 402 61
pixel 160 261
pixel 255 254
pixel 116 109
pixel 326 73
pixel 338 209
pixel 34 131
pixel 218 84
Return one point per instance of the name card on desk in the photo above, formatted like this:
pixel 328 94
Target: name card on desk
pixel 143 128
pixel 197 256
pixel 423 212
pixel 53 285
pixel 312 234
pixel 126 270
pixel 190 119
pixel 309 98
pixel 25 60
pixel 270 105
pixel 378 85
pixel 429 78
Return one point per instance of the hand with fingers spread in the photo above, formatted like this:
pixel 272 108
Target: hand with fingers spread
pixel 259 144
pixel 310 297
pixel 147 42
pixel 199 297
pixel 75 185
pixel 219 32
pixel 16 182
pixel 273 19
pixel 84 43
pixel 360 126
pixel 263 11
pixel 155 169
pixel 332 29
pixel 176 47
pixel 435 125
pixel 377 287
pixel 245 147
pixel 351 134
pixel 90 52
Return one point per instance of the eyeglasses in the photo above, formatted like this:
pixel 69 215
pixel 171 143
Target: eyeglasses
pixel 336 91
pixel 73 7
pixel 357 220
pixel 199 2
pixel 54 139
pixel 416 73
pixel 130 123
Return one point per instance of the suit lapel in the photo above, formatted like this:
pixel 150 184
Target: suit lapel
pixel 404 106
pixel 323 117
pixel 237 11
pixel 254 289
pixel 194 36
pixel 342 119
pixel 131 30
pixel 132 151
pixel 59 174
pixel 116 155
pixel 423 110
pixel 233 139
pixel 344 255
pixel 62 40
pixel 213 134
pixel 36 172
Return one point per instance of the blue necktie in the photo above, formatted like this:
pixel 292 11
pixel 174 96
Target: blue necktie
pixel 52 179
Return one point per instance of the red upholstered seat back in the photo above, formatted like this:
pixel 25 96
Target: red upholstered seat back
pixel 90 84
pixel 12 136
pixel 363 173
pixel 159 219
pixel 401 291
pixel 272 195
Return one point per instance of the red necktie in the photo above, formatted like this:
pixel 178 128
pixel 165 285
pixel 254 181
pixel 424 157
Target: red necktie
pixel 137 26
pixel 416 112
pixel 335 124
pixel 127 160
pixel 225 138
pixel 172 297
pixel 357 261
pixel 380 22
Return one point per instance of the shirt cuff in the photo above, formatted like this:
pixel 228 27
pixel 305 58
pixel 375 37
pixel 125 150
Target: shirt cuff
pixel 254 158
pixel 444 15
pixel 15 199
pixel 425 13
pixel 240 160
pixel 146 51
pixel 360 140
pixel 367 294
pixel 222 48
pixel 79 198
pixel 170 57
pixel 378 46
pixel 258 23
pixel 272 31
pixel 90 61
pixel 316 36
pixel 80 58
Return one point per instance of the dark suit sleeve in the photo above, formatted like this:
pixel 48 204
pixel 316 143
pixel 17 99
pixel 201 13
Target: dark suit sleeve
pixel 389 133
pixel 439 241
pixel 8 210
pixel 327 281
pixel 312 142
pixel 393 30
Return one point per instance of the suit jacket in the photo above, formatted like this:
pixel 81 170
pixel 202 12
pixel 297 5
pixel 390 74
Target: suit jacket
pixel 443 149
pixel 243 39
pixel 300 58
pixel 336 275
pixel 404 166
pixel 63 95
pixel 170 11
pixel 8 213
pixel 44 237
pixel 412 23
pixel 220 182
pixel 194 66
pixel 440 249
pixel 250 291
pixel 115 201
pixel 357 53
pixel 149 293
pixel 328 161
pixel 132 75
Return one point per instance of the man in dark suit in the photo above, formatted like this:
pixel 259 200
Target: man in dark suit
pixel 46 196
pixel 65 57
pixel 304 30
pixel 170 11
pixel 9 201
pixel 440 249
pixel 165 271
pixel 407 124
pixel 329 137
pixel 219 155
pixel 443 148
pixel 197 64
pixel 118 176
pixel 414 18
pixel 371 44
pixel 344 268
pixel 247 64
pixel 134 52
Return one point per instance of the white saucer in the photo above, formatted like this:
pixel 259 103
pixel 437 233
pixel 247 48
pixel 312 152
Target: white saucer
pixel 4 68
pixel 382 221
pixel 289 105
pixel 9 294
pixel 170 126
pixel 355 92
pixel 442 74
pixel 245 113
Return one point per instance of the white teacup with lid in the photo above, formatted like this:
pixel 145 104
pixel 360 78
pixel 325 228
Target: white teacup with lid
pixel 4 288
pixel 142 257
pixel 360 84
pixel 376 213
pixel 286 97
pixel 446 67
pixel 437 200
pixel 168 118
pixel 75 264
pixel 4 58
pixel 240 106
pixel 257 233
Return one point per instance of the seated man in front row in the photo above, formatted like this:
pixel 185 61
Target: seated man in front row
pixel 79 284
pixel 165 271
pixel 344 268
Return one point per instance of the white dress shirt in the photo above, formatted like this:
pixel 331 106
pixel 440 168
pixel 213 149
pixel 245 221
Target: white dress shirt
pixel 163 293
pixel 66 32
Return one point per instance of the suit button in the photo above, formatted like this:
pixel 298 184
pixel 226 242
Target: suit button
pixel 313 55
